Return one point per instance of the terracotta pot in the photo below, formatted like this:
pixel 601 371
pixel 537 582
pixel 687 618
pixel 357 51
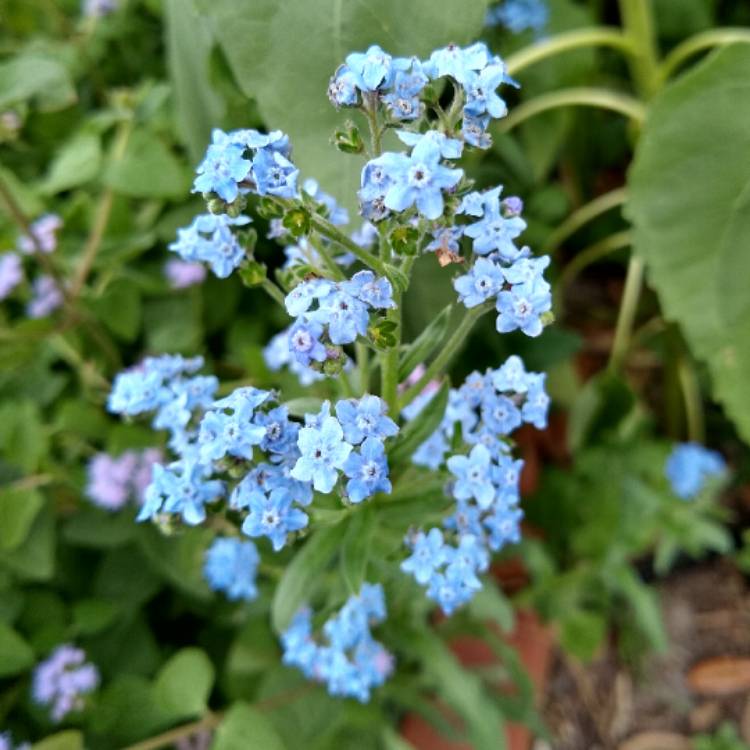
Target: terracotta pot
pixel 532 640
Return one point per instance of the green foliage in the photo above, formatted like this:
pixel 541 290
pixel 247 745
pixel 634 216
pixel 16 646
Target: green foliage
pixel 688 204
pixel 183 684
pixel 245 726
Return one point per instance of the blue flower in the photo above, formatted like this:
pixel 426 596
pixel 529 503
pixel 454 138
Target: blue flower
pixel 273 516
pixel 223 167
pixel 367 471
pixel 474 131
pixel 450 148
pixel 372 69
pixel 511 376
pixel 274 174
pixel 457 62
pixel 688 467
pixel 345 317
pixel 519 15
pixel 365 418
pixel 522 308
pixel 504 526
pixel 495 232
pixel 431 453
pixel 342 88
pixel 473 476
pixel 416 179
pixel 267 477
pixel 374 291
pixel 429 553
pixel 180 489
pixel 323 452
pixel 231 566
pixel 280 432
pixel 277 354
pixel 527 270
pixel 481 96
pixel 304 343
pixel 484 280
pixel 500 414
pixel 221 434
pixel 536 404
pixel 62 681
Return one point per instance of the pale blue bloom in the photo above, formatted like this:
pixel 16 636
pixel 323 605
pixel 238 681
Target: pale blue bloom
pixel 231 566
pixel 367 471
pixel 323 452
pixel 689 466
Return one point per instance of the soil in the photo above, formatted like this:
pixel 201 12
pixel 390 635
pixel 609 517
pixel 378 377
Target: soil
pixel 660 703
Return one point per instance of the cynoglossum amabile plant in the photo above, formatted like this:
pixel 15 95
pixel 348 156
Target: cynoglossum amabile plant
pixel 255 466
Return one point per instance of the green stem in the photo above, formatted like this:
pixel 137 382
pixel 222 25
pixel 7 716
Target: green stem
pixel 209 721
pixel 456 340
pixel 570 40
pixel 698 43
pixel 691 393
pixel 614 101
pixel 582 216
pixel 626 314
pixel 363 366
pixel 638 21
pixel 328 230
pixel 273 291
pixel 333 268
pixel 589 255
pixel 103 212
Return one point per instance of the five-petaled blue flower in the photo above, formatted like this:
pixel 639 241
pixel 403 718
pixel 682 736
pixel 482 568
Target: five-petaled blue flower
pixel 367 471
pixel 323 453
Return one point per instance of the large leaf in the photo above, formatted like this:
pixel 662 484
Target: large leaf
pixel 35 77
pixel 246 727
pixel 70 739
pixel 18 509
pixel 77 162
pixel 184 683
pixel 15 654
pixel 689 190
pixel 198 108
pixel 289 79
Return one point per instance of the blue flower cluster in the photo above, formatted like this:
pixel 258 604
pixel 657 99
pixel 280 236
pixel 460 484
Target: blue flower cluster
pixel 231 566
pixel 63 680
pixel 503 271
pixel 519 15
pixel 329 312
pixel 277 354
pixel 244 161
pixel 367 78
pixel 689 466
pixel 486 409
pixel 352 662
pixel 210 239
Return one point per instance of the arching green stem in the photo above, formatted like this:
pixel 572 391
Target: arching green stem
pixel 698 43
pixel 575 97
pixel 602 36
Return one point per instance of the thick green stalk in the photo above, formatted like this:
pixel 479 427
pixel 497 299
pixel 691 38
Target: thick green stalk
pixel 638 20
pixel 626 314
pixel 273 292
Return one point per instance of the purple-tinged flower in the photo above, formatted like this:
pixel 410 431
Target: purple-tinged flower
pixel 46 298
pixel 182 274
pixel 63 680
pixel 11 273
pixel 42 235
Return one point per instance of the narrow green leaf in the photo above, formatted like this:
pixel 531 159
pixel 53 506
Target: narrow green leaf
pixel 491 604
pixel 245 727
pixel 425 344
pixel 15 654
pixel 18 509
pixel 645 606
pixel 298 581
pixel 355 550
pixel 418 430
pixel 184 683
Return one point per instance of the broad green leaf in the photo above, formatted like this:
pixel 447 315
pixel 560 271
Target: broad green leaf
pixel 22 437
pixel 18 509
pixel 298 407
pixel 26 198
pixel 34 559
pixel 35 77
pixel 91 616
pixel 198 108
pixel 148 169
pixel 77 162
pixel 289 80
pixel 425 345
pixel 178 559
pixel 355 549
pixel 15 654
pixel 581 633
pixel 246 727
pixel 94 527
pixel 688 205
pixel 183 684
pixel 70 739
pixel 119 308
pixel 301 575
